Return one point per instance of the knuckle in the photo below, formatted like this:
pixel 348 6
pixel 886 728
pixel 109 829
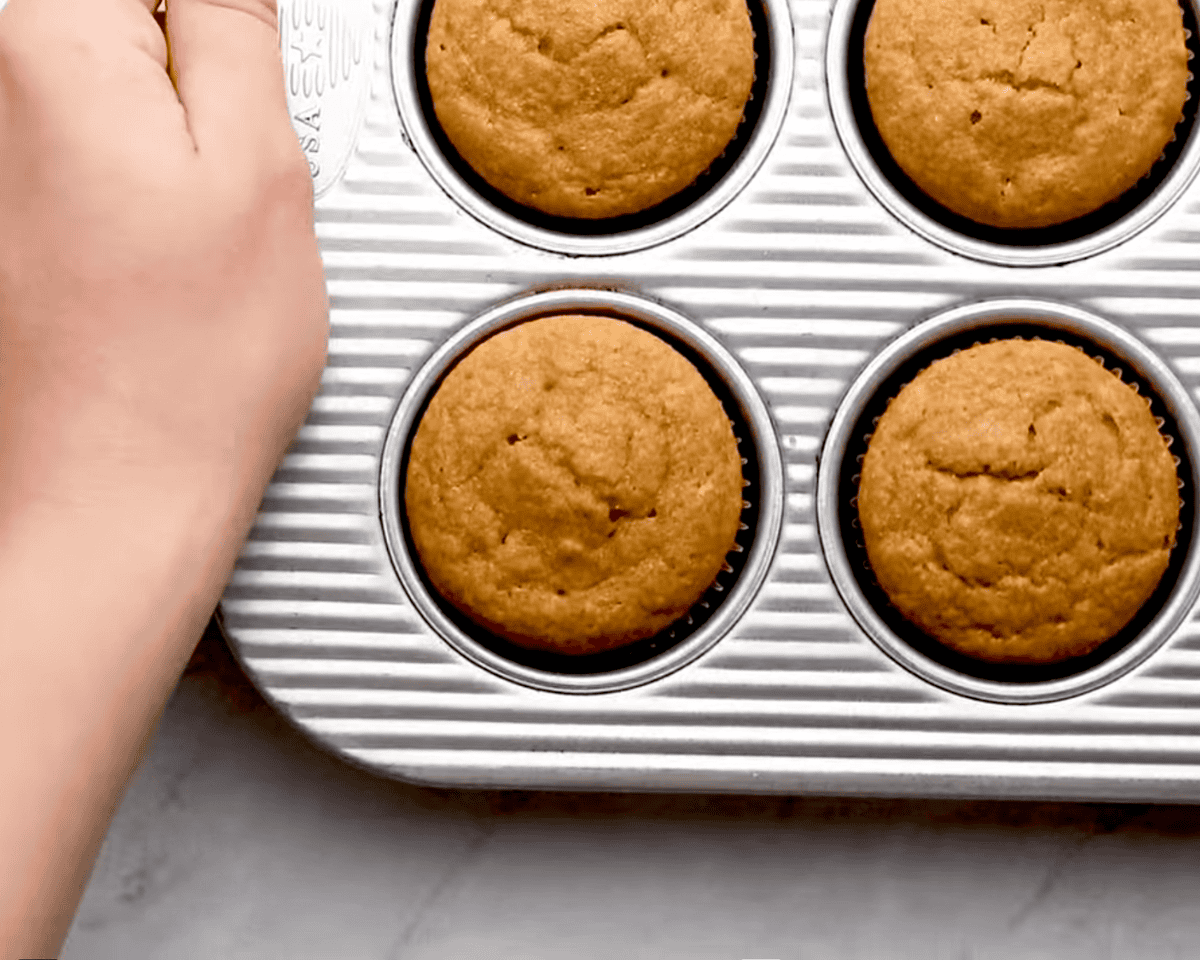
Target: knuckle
pixel 291 180
pixel 277 182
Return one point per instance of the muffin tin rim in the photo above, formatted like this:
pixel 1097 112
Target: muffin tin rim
pixel 959 319
pixel 528 306
pixel 779 89
pixel 1174 185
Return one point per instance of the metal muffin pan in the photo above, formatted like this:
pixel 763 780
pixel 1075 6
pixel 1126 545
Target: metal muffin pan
pixel 804 282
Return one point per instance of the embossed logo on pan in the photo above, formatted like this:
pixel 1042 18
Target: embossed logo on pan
pixel 327 56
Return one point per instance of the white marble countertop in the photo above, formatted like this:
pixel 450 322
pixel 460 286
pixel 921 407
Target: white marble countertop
pixel 239 839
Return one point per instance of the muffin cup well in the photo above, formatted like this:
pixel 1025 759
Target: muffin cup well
pixel 719 607
pixel 1100 230
pixel 837 513
pixel 725 178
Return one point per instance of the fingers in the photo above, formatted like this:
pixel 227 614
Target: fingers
pixel 64 43
pixel 229 73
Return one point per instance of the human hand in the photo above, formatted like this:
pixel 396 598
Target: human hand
pixel 162 306
pixel 163 326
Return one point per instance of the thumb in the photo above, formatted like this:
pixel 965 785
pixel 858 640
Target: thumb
pixel 227 66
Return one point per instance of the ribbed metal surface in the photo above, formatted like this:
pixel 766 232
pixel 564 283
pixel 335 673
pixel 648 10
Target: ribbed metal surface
pixel 803 277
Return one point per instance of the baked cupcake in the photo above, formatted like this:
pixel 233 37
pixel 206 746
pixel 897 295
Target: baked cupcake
pixel 1018 502
pixel 573 485
pixel 588 109
pixel 1026 113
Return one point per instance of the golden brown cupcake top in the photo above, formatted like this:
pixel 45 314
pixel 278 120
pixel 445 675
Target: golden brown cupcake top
pixel 1026 113
pixel 590 108
pixel 1018 502
pixel 574 484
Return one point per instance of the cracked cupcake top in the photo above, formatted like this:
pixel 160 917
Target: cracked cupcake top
pixel 574 484
pixel 1026 113
pixel 590 108
pixel 1018 502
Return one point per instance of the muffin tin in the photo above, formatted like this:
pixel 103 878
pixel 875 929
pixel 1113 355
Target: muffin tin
pixel 805 281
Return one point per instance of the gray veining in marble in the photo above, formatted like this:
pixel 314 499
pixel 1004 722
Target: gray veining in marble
pixel 241 840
